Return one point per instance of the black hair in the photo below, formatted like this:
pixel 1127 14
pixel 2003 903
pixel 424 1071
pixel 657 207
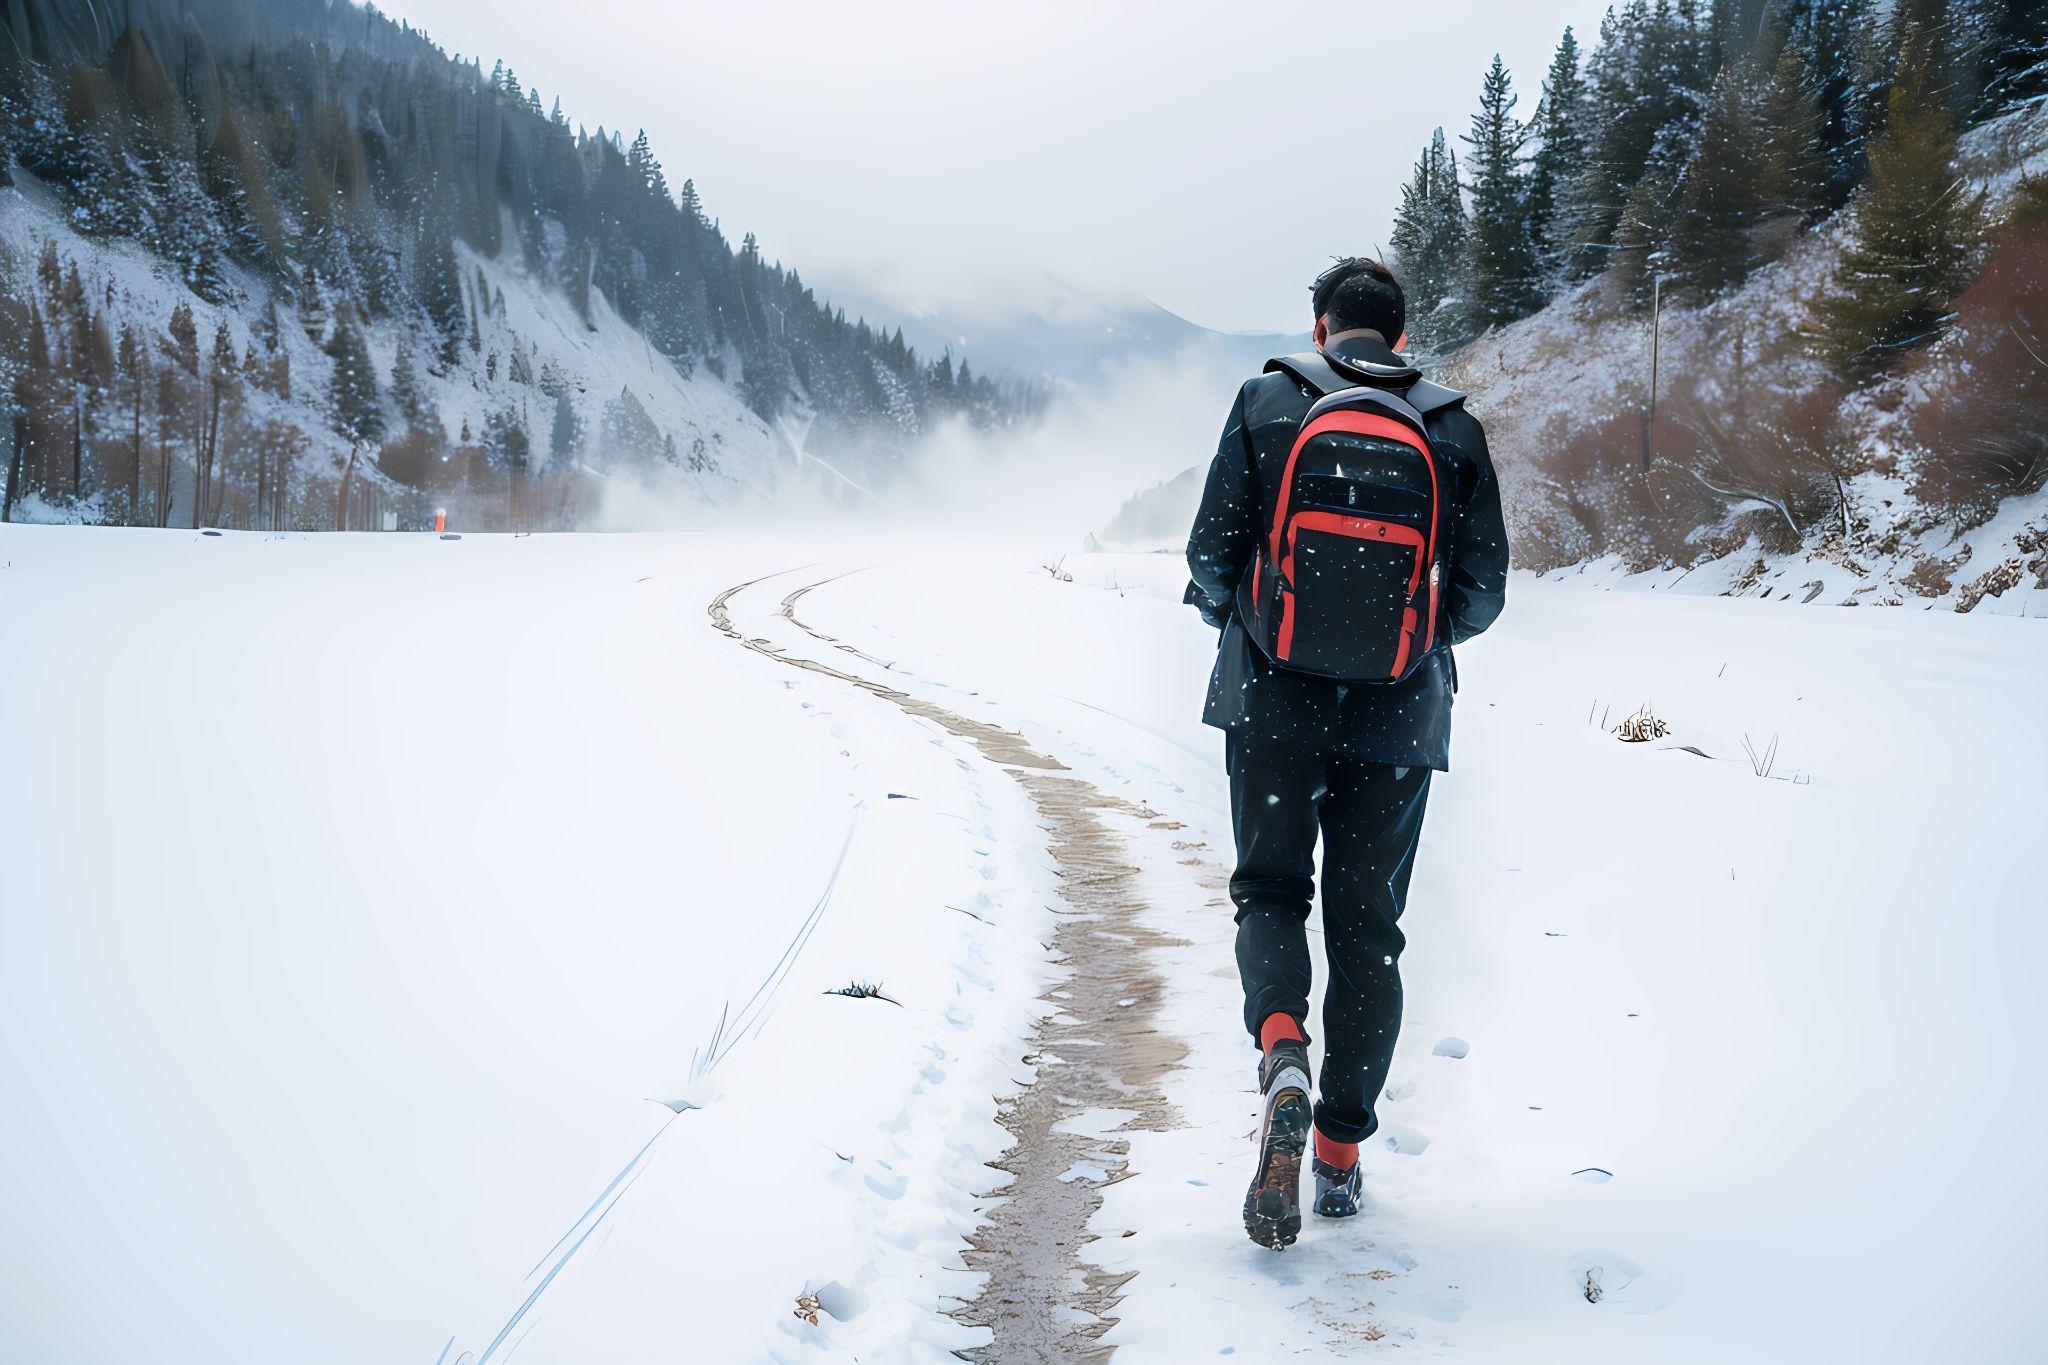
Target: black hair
pixel 1360 292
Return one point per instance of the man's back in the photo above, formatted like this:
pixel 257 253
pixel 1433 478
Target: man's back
pixel 1406 722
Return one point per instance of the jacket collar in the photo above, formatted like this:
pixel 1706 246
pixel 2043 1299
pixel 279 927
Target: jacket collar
pixel 1364 355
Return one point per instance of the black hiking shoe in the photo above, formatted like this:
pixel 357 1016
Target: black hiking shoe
pixel 1272 1207
pixel 1338 1190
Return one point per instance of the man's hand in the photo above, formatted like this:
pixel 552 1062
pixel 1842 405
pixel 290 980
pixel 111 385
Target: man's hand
pixel 1216 616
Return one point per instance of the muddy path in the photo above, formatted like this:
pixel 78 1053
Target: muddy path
pixel 1098 1058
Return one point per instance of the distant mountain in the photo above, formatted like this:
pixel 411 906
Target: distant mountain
pixel 1073 336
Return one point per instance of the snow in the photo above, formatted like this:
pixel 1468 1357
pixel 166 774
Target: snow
pixel 371 903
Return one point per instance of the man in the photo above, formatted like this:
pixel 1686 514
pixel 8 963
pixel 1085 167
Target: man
pixel 1347 756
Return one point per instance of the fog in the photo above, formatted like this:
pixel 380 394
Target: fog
pixel 1056 480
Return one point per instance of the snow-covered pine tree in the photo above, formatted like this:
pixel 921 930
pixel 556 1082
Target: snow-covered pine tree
pixel 184 334
pixel 1560 135
pixel 1645 85
pixel 405 385
pixel 1791 177
pixel 437 283
pixel 565 437
pixel 358 414
pixel 1915 225
pixel 1710 243
pixel 1829 35
pixel 1428 243
pixel 1499 278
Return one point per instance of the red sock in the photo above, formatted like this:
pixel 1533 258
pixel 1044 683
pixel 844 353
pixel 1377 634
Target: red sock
pixel 1276 1027
pixel 1329 1151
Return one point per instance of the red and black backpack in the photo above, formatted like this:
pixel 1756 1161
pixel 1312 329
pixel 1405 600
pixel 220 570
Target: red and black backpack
pixel 1347 576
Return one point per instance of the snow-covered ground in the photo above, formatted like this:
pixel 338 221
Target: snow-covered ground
pixel 371 905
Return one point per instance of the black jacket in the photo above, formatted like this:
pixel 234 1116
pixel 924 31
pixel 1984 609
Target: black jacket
pixel 1405 723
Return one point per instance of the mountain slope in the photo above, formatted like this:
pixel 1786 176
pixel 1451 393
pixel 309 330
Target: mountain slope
pixel 318 165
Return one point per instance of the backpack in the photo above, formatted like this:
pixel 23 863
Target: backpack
pixel 1347 577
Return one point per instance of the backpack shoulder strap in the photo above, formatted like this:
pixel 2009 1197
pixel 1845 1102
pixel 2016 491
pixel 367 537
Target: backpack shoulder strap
pixel 1309 367
pixel 1370 396
pixel 1427 397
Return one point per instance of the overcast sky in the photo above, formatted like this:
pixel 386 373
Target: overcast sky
pixel 1211 157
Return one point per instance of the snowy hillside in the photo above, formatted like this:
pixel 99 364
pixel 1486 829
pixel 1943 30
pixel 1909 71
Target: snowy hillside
pixel 461 950
pixel 536 357
pixel 1747 490
pixel 290 264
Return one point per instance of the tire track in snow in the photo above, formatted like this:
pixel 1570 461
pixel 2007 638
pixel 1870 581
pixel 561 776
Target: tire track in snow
pixel 1099 1058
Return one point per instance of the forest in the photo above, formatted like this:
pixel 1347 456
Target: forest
pixel 1761 269
pixel 315 176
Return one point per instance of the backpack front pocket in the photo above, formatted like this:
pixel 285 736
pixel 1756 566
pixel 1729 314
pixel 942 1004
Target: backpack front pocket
pixel 1348 585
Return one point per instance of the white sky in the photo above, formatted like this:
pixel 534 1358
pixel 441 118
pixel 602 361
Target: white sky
pixel 1211 157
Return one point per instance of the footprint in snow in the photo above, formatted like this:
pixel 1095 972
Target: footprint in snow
pixel 890 1186
pixel 1402 1140
pixel 843 1302
pixel 1454 1048
pixel 1399 1089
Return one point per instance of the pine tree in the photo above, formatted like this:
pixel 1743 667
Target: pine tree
pixel 1500 260
pixel 1709 244
pixel 566 435
pixel 405 385
pixel 1829 35
pixel 1791 175
pixel 505 438
pixel 438 285
pixel 646 171
pixel 1429 246
pixel 184 338
pixel 1646 84
pixel 312 306
pixel 1915 224
pixel 1560 151
pixel 358 414
pixel 225 365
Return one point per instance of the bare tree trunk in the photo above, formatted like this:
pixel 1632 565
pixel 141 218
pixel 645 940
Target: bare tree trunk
pixel 163 477
pixel 135 475
pixel 77 443
pixel 14 466
pixel 206 502
pixel 262 482
pixel 348 477
pixel 1656 329
pixel 198 468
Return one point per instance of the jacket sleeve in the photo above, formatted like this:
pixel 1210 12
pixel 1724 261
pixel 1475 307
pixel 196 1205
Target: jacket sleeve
pixel 1479 539
pixel 1225 535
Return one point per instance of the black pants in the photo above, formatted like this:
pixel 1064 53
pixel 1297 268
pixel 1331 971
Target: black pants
pixel 1370 816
